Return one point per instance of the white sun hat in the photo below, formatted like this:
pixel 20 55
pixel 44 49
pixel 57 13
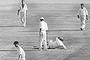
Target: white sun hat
pixel 42 18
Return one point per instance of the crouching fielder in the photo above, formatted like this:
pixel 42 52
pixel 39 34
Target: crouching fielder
pixel 43 29
pixel 20 51
pixel 56 44
pixel 23 13
pixel 83 15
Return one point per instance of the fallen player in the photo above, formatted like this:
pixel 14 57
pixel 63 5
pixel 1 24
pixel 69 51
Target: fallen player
pixel 58 43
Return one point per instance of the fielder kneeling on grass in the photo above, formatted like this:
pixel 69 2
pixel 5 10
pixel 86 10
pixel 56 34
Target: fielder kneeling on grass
pixel 56 44
pixel 20 51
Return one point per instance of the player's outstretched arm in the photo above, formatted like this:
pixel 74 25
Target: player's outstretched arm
pixel 64 46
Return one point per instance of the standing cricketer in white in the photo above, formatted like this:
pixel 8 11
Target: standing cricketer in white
pixel 21 52
pixel 23 13
pixel 43 28
pixel 83 15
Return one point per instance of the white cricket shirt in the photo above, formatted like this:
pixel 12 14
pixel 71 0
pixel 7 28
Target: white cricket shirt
pixel 21 51
pixel 43 26
pixel 82 11
pixel 24 9
pixel 59 42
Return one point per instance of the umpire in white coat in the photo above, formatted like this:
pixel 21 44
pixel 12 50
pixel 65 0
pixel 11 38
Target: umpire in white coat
pixel 83 15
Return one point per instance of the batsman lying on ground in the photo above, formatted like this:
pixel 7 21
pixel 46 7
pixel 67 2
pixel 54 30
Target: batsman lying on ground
pixel 58 43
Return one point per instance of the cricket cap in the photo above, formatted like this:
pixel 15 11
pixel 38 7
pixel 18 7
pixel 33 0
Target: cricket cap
pixel 16 42
pixel 82 3
pixel 61 38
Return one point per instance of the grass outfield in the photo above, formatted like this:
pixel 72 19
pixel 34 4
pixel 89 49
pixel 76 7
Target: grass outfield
pixel 62 21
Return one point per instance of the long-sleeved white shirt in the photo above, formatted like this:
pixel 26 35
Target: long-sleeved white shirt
pixel 21 52
pixel 24 9
pixel 43 25
pixel 82 11
pixel 59 42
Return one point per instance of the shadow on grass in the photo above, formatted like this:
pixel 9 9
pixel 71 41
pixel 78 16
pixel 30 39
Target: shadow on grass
pixel 11 26
pixel 34 48
pixel 77 55
pixel 64 30
pixel 52 30
pixel 24 50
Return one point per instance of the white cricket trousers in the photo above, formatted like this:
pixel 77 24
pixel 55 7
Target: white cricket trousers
pixel 83 19
pixel 43 43
pixel 23 18
pixel 22 58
